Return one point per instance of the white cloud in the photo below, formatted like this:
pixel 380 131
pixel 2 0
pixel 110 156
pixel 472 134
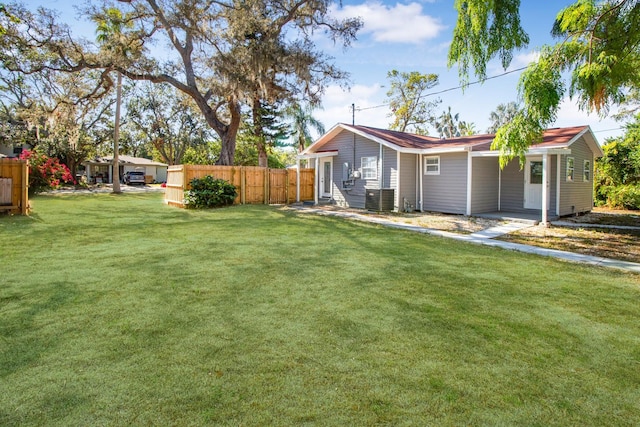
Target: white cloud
pixel 402 23
pixel 524 59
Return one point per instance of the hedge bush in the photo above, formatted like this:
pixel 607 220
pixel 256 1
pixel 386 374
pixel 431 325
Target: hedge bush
pixel 209 192
pixel 620 196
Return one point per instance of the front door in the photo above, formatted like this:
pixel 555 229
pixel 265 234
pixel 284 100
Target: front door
pixel 533 184
pixel 326 177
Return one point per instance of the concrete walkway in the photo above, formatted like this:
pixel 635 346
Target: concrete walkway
pixel 484 237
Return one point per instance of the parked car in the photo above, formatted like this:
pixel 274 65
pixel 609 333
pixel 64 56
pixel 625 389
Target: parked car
pixel 133 177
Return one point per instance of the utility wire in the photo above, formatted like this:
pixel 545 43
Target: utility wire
pixel 451 88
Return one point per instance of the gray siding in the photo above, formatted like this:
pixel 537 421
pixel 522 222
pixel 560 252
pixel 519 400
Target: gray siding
pixel 408 184
pixel 344 143
pixel 512 188
pixel 447 192
pixel 576 196
pixel 390 168
pixel 484 187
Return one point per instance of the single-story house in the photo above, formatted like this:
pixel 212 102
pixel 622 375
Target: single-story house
pixel 11 150
pixel 100 169
pixel 377 169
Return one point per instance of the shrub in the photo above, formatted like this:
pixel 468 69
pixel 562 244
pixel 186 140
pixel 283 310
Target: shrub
pixel 209 192
pixel 45 173
pixel 622 196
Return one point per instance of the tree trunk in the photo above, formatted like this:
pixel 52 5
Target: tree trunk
pixel 227 133
pixel 258 132
pixel 116 136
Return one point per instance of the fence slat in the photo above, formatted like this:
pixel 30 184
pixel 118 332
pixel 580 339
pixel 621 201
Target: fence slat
pixel 255 185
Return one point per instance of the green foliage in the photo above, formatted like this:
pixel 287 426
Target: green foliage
pixel 302 121
pixel 598 45
pixel 485 30
pixel 410 110
pixel 449 125
pixel 502 115
pixel 619 197
pixel 45 173
pixel 618 171
pixel 209 192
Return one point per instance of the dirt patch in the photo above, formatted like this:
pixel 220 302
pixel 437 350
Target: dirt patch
pixel 604 216
pixel 607 243
pixel 436 221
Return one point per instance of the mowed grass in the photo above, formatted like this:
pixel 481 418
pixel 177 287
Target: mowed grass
pixel 119 310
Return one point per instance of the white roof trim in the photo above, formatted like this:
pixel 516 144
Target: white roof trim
pixel 533 152
pixel 318 155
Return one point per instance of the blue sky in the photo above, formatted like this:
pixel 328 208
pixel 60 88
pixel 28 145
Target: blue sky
pixel 415 36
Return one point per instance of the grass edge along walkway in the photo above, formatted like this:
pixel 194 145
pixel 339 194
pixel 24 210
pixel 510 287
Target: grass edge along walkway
pixel 471 238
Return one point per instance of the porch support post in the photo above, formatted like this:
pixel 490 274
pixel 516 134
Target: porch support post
pixel 499 185
pixel 469 182
pixel 421 181
pixel 398 208
pixel 317 181
pixel 545 188
pixel 297 179
pixel 558 175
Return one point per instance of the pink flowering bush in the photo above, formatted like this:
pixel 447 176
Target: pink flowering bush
pixel 45 173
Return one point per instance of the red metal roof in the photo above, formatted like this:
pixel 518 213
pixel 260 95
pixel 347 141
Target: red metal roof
pixel 553 138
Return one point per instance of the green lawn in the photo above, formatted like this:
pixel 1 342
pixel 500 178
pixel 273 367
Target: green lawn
pixel 119 310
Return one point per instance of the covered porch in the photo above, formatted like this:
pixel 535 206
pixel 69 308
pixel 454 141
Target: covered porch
pixel 528 192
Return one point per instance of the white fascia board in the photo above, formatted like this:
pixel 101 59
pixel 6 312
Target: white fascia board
pixel 534 152
pixel 321 154
pixel 592 142
pixel 428 151
pixel 320 141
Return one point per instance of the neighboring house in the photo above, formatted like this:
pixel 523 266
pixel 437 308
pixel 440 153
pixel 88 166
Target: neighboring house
pixel 100 169
pixel 11 150
pixel 369 168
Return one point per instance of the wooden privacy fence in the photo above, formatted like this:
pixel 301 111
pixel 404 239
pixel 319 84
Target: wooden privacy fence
pixel 14 181
pixel 255 185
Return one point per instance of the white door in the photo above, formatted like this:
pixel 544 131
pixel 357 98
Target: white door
pixel 326 177
pixel 533 184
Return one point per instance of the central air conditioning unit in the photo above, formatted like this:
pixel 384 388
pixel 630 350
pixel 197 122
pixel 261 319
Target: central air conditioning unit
pixel 381 200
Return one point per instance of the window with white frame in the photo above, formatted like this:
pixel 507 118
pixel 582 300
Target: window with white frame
pixel 570 168
pixel 369 167
pixel 432 165
pixel 586 171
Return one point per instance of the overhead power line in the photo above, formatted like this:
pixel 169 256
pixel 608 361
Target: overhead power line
pixel 451 88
